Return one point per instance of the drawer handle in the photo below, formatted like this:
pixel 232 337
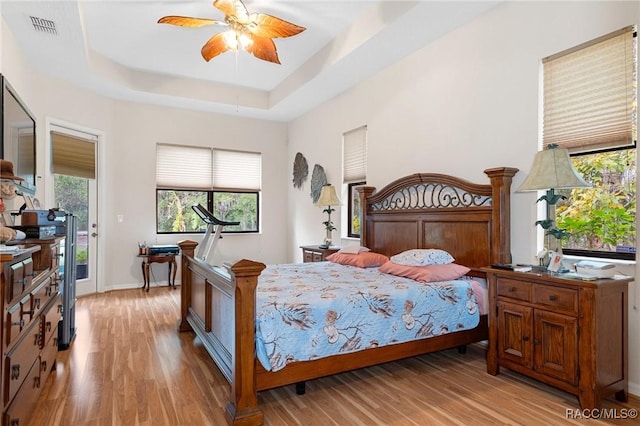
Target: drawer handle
pixel 48 291
pixel 37 303
pixel 536 342
pixel 36 382
pixel 28 312
pixel 48 325
pixel 44 366
pixel 15 372
pixel 15 422
pixel 18 323
pixel 553 298
pixel 525 338
pixel 38 338
pixel 512 289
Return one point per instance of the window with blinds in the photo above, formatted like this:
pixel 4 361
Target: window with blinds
pixel 354 174
pixel 589 97
pixel 226 182
pixel 590 107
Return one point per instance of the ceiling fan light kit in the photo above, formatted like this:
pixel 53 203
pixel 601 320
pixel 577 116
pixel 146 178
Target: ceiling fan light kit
pixel 253 33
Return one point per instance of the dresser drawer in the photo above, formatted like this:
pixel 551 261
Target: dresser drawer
pixel 18 362
pixel 514 289
pixel 51 318
pixel 17 317
pixel 48 355
pixel 19 277
pixel 42 294
pixel 565 299
pixel 21 407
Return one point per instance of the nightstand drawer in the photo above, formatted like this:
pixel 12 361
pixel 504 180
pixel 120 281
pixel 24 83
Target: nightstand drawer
pixel 514 289
pixel 562 298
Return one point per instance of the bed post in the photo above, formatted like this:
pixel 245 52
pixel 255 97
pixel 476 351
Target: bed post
pixel 501 220
pixel 363 193
pixel 243 404
pixel 187 249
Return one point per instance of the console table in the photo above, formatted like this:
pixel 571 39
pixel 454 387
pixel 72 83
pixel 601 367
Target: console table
pixel 148 259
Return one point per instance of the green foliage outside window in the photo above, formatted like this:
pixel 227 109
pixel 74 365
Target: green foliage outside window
pixel 601 217
pixel 175 215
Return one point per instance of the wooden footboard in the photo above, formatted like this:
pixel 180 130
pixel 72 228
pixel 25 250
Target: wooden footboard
pixel 218 303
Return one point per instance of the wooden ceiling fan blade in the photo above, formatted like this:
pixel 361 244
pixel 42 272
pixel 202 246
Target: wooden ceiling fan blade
pixel 263 48
pixel 213 47
pixel 186 21
pixel 271 26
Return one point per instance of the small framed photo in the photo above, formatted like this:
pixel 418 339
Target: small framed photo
pixel 555 262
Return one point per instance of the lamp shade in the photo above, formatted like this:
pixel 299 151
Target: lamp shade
pixel 328 197
pixel 552 168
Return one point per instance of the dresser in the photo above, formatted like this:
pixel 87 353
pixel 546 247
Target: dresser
pixel 566 332
pixel 316 253
pixel 32 310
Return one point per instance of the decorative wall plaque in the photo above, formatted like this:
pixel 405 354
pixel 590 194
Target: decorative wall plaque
pixel 300 170
pixel 318 180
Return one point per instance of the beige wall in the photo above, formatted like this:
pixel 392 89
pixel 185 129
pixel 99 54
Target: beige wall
pixel 462 104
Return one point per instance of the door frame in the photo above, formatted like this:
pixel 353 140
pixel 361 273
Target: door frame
pixel 46 191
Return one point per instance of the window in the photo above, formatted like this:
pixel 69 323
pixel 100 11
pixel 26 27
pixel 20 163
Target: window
pixel 227 183
pixel 590 108
pixel 354 162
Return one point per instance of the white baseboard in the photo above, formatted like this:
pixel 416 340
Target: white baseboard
pixel 634 389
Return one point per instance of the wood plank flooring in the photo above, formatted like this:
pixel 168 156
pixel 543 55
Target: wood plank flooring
pixel 128 365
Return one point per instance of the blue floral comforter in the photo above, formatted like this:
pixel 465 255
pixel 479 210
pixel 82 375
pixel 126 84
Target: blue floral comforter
pixel 307 311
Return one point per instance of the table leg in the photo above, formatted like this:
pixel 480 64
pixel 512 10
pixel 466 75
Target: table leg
pixel 144 275
pixel 175 268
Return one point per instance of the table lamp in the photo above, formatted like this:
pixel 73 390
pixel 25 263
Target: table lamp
pixel 328 198
pixel 552 169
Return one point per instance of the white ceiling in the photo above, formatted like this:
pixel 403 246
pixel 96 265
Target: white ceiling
pixel 117 49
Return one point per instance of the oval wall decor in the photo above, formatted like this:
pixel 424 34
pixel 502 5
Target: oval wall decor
pixel 318 180
pixel 300 170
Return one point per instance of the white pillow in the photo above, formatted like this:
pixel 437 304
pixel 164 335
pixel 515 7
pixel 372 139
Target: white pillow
pixel 353 249
pixel 421 257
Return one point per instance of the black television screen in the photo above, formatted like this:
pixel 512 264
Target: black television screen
pixel 18 137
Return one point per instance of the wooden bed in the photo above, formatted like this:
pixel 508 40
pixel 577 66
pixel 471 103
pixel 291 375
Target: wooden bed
pixel 471 221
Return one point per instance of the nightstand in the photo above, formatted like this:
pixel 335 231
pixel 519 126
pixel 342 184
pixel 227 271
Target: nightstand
pixel 316 254
pixel 566 332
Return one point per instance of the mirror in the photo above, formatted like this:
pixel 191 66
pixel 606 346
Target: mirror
pixel 18 138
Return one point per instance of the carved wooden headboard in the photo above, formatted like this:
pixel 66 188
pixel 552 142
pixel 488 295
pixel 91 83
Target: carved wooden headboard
pixel 427 210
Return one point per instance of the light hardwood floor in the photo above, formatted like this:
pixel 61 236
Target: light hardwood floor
pixel 128 365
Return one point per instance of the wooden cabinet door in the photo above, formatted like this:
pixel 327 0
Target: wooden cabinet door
pixel 556 345
pixel 516 333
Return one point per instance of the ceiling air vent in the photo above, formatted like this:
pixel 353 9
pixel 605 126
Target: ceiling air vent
pixel 44 25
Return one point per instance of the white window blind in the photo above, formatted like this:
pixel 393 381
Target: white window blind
pixel 73 156
pixel 237 170
pixel 202 168
pixel 589 94
pixel 183 167
pixel 354 155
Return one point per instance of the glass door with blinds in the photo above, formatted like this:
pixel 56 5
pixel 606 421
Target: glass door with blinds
pixel 75 191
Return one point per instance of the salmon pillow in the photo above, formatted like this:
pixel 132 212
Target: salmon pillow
pixel 427 273
pixel 365 259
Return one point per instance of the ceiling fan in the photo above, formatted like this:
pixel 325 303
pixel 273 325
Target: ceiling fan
pixel 253 32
